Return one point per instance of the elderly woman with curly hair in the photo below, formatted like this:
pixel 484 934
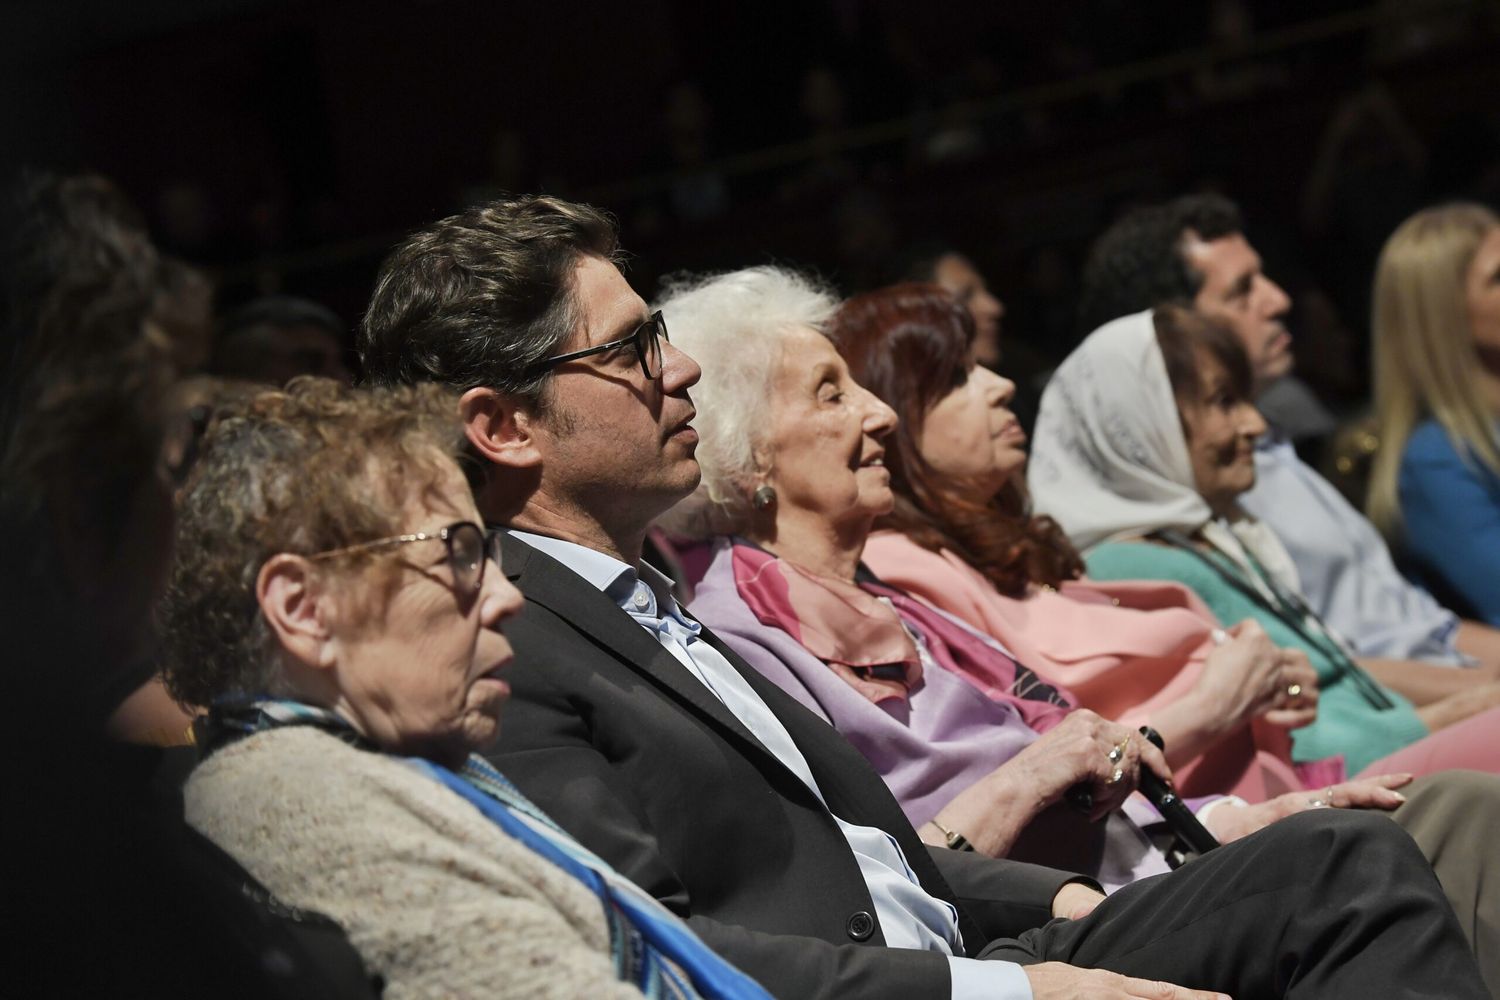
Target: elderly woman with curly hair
pixel 335 602
pixel 793 455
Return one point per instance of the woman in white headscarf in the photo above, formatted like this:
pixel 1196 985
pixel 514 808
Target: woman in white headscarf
pixel 1142 448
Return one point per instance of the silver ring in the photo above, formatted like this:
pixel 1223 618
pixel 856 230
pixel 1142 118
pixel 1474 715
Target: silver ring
pixel 1293 690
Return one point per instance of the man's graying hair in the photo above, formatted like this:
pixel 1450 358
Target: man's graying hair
pixel 479 298
pixel 1138 263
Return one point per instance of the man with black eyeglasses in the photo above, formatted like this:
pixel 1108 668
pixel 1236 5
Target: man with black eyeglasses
pixel 662 751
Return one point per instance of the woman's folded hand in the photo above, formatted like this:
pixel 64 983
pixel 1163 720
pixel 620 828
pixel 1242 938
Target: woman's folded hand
pixel 1294 698
pixel 1233 822
pixel 1249 676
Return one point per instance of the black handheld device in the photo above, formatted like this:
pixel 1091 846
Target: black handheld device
pixel 1193 836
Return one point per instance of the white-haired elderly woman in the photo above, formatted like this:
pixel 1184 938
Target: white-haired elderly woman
pixel 334 601
pixel 791 451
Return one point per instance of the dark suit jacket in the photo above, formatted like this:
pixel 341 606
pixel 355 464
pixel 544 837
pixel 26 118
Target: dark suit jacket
pixel 630 753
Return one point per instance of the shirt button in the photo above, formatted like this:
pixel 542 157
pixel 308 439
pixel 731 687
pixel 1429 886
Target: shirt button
pixel 860 926
pixel 642 600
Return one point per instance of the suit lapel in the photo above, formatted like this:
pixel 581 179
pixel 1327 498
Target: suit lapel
pixel 835 763
pixel 553 586
pixel 850 787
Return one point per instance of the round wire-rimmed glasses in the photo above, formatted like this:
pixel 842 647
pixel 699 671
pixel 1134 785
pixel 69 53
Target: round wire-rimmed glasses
pixel 646 339
pixel 464 540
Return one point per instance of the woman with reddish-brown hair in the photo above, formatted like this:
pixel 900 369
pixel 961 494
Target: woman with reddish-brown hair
pixel 961 537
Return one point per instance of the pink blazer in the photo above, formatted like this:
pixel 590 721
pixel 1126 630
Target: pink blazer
pixel 1123 648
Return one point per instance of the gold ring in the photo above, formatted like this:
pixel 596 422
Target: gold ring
pixel 1119 751
pixel 1114 779
pixel 1293 690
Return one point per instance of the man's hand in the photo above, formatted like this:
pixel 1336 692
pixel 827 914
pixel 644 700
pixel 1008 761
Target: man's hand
pixel 1075 901
pixel 1055 981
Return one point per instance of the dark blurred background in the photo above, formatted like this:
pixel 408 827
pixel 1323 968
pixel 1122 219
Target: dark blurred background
pixel 285 146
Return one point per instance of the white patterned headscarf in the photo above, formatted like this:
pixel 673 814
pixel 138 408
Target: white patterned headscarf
pixel 1109 459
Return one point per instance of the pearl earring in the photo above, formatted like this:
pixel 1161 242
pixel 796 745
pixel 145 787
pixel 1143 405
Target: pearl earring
pixel 764 498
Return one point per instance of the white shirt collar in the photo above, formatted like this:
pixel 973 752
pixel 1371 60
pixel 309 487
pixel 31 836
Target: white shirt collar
pixel 602 572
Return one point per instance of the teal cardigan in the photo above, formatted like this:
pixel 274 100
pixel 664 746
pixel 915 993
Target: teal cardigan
pixel 1347 723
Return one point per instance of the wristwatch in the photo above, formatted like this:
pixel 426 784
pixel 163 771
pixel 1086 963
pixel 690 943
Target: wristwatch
pixel 955 840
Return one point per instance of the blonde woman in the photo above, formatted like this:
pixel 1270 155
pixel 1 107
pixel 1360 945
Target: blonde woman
pixel 1436 481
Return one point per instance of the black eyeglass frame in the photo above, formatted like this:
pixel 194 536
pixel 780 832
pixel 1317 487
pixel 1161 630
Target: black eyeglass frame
pixel 644 348
pixel 446 535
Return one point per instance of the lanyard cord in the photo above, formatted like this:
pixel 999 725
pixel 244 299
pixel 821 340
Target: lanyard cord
pixel 1289 608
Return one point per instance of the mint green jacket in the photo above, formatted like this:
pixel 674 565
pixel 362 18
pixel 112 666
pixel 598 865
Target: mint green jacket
pixel 1347 723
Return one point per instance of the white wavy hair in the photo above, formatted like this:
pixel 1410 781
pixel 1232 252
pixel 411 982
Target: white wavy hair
pixel 733 325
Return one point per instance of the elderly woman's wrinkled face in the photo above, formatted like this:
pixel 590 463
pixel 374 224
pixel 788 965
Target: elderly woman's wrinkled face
pixel 1221 428
pixel 1482 293
pixel 827 459
pixel 970 435
pixel 417 661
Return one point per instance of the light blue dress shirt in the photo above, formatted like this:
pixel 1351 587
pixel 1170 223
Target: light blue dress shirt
pixel 1347 574
pixel 909 916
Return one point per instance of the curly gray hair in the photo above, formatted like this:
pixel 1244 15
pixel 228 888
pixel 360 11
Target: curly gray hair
pixel 313 467
pixel 732 324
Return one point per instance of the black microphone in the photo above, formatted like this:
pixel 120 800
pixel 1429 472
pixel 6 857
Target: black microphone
pixel 1180 819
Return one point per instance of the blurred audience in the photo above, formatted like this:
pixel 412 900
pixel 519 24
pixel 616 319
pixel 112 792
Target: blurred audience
pixel 97 851
pixel 698 192
pixel 275 338
pixel 1369 173
pixel 86 418
pixel 183 309
pixel 958 275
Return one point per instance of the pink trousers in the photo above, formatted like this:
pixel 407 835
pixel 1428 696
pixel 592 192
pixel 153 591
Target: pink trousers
pixel 1473 744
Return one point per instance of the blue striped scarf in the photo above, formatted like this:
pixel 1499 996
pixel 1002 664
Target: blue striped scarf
pixel 651 947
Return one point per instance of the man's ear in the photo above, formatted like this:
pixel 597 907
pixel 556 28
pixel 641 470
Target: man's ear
pixel 296 609
pixel 500 428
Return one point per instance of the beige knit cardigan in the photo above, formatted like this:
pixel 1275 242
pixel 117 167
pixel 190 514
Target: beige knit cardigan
pixel 436 898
